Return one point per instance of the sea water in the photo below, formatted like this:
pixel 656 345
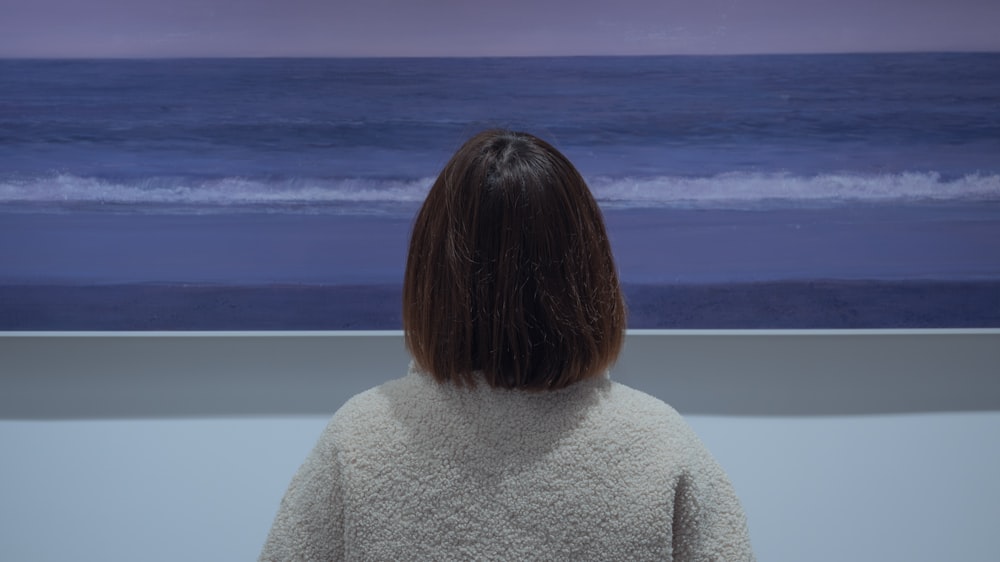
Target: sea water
pixel 778 177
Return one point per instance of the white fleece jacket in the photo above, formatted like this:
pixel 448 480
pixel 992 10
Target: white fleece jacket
pixel 417 470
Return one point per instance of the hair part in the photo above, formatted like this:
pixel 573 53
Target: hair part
pixel 510 272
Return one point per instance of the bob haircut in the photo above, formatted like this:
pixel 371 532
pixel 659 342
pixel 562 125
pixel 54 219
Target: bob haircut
pixel 510 274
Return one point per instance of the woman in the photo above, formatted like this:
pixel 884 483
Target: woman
pixel 507 440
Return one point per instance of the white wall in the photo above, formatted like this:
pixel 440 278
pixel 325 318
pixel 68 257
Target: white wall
pixel 912 482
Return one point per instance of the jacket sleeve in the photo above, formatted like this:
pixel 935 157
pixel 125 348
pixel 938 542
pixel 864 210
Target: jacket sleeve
pixel 310 521
pixel 708 521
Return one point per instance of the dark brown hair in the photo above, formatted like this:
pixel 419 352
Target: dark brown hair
pixel 510 272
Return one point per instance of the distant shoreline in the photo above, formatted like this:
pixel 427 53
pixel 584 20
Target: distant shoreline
pixel 818 304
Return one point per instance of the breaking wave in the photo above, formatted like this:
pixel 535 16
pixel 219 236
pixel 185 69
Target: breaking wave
pixel 729 190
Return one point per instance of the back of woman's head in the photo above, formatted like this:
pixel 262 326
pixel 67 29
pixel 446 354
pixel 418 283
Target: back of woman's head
pixel 510 272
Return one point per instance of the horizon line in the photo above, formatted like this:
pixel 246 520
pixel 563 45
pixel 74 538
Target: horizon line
pixel 497 56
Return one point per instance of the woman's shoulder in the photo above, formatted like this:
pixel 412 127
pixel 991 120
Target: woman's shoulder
pixel 404 405
pixel 418 388
pixel 377 410
pixel 634 403
pixel 636 415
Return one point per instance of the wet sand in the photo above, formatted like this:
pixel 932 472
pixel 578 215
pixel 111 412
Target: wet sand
pixel 791 305
pixel 908 266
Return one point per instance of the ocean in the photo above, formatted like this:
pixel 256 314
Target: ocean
pixel 779 191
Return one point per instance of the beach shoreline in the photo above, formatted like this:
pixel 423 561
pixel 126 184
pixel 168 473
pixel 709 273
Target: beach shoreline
pixel 811 304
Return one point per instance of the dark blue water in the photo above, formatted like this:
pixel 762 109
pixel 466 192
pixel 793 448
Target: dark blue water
pixel 646 131
pixel 756 191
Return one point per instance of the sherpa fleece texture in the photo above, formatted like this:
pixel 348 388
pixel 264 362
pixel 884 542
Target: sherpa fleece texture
pixel 417 470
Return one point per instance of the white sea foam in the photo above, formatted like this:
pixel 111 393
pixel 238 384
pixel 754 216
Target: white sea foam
pixel 721 191
pixel 233 191
pixel 742 189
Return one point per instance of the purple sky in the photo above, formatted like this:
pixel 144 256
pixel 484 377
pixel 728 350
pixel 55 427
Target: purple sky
pixel 154 28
